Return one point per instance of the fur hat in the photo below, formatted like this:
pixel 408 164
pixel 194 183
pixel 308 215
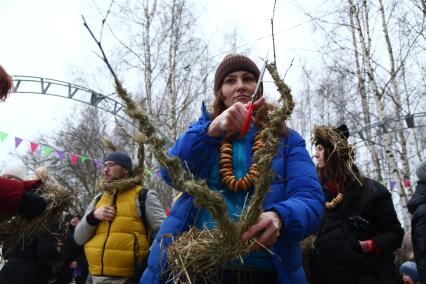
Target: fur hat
pixel 15 169
pixel 421 171
pixel 409 268
pixel 122 159
pixel 233 63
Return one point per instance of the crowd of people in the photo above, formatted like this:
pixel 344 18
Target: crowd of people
pixel 124 234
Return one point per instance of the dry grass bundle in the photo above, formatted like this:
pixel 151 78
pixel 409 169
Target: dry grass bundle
pixel 340 147
pixel 16 228
pixel 120 184
pixel 307 250
pixel 200 253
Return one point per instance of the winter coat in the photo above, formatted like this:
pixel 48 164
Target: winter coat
pixel 295 195
pixel 116 246
pixel 337 255
pixel 72 252
pixel 32 261
pixel 86 231
pixel 417 207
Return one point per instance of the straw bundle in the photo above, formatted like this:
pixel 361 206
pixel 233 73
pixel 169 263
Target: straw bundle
pixel 199 253
pixel 16 228
pixel 341 149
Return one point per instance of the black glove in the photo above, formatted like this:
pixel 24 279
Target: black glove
pixel 31 205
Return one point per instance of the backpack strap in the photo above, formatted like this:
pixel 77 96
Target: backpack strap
pixel 142 198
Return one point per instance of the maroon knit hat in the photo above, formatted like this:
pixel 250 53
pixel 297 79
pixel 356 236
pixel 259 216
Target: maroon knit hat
pixel 233 63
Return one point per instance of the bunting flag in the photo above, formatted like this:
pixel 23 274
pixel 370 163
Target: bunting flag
pixel 17 142
pixel 74 159
pixel 3 136
pixel 392 184
pixel 60 154
pixel 148 172
pixel 47 150
pixel 406 183
pixel 98 164
pixel 84 158
pixel 34 147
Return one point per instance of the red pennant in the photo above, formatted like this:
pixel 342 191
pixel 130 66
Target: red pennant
pixel 406 182
pixel 34 147
pixel 74 159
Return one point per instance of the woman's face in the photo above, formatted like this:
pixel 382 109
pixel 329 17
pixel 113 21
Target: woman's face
pixel 319 155
pixel 238 87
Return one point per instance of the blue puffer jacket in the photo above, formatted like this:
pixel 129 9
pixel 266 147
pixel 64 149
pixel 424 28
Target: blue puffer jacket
pixel 295 195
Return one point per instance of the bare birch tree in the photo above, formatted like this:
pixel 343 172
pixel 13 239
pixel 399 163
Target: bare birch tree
pixel 384 37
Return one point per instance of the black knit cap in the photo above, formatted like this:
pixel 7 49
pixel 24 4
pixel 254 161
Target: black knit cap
pixel 233 63
pixel 122 159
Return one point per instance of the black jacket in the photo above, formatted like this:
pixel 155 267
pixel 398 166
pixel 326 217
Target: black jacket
pixel 72 252
pixel 417 207
pixel 31 261
pixel 337 255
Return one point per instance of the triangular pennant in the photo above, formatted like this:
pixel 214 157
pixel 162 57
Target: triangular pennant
pixel 84 158
pixel 61 154
pixel 406 182
pixel 34 147
pixel 74 159
pixel 17 142
pixel 47 150
pixel 392 184
pixel 148 172
pixel 3 136
pixel 98 164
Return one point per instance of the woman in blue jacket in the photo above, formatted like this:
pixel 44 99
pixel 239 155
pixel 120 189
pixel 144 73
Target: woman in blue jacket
pixel 293 205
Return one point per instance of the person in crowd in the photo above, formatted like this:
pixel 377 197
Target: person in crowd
pixel 406 252
pixel 360 231
pixel 5 84
pixel 16 193
pixel 34 258
pixel 113 229
pixel 417 207
pixel 74 267
pixel 409 273
pixel 292 208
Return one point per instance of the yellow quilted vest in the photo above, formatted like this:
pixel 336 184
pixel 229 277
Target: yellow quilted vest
pixel 116 246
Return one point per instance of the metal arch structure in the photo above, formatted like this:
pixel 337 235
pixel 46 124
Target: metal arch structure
pixel 52 87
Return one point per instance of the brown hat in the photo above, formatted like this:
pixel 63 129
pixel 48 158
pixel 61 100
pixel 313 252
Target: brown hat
pixel 233 63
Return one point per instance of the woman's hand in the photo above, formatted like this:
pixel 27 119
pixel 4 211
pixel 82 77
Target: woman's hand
pixel 105 213
pixel 232 119
pixel 266 230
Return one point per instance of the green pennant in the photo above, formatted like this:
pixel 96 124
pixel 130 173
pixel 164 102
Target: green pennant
pixel 84 158
pixel 47 150
pixel 148 172
pixel 3 136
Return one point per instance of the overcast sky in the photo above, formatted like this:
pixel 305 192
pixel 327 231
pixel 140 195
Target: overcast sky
pixel 46 38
